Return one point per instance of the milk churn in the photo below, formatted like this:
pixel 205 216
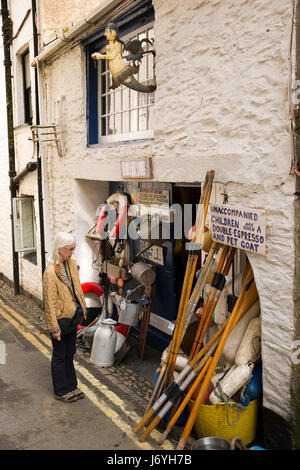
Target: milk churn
pixel 104 343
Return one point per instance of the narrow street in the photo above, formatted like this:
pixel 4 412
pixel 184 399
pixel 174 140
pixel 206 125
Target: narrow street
pixel 31 419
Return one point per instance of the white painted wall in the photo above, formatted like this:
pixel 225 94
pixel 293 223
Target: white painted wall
pixel 88 195
pixel 221 103
pixel 29 274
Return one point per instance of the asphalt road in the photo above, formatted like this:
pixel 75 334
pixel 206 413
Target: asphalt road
pixel 30 417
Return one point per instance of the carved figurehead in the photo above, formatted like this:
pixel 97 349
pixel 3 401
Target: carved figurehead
pixel 122 72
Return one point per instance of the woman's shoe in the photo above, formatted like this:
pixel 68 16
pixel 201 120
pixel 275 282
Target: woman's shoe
pixel 67 398
pixel 77 393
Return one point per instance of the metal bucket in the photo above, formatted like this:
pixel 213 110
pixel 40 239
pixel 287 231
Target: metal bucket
pixel 211 443
pixel 88 335
pixel 129 312
pixel 143 273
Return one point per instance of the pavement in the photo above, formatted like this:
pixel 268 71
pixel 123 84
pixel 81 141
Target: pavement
pixel 126 386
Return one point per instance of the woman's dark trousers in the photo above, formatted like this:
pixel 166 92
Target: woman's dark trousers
pixel 62 366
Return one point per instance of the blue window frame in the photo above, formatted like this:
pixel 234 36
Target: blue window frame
pixel 105 118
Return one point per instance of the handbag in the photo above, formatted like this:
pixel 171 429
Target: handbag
pixel 69 325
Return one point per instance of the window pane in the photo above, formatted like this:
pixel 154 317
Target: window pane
pixel 103 105
pixel 118 101
pixel 118 124
pixel 27 223
pixel 103 126
pixel 26 70
pixel 134 120
pixel 125 118
pixel 125 98
pixel 150 119
pixel 110 125
pixel 103 84
pixel 27 88
pixel 143 119
pixel 24 223
pixel 109 104
pixel 142 76
pixel 134 96
pixel 150 66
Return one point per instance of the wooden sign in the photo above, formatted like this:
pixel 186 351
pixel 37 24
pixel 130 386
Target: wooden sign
pixel 239 227
pixel 153 196
pixel 139 168
pixel 155 254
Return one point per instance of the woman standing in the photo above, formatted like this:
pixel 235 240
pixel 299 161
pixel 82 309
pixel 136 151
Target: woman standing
pixel 64 306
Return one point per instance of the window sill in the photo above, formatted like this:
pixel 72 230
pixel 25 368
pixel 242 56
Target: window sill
pixel 121 142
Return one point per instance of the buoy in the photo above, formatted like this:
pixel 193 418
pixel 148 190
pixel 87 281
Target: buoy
pixel 235 338
pixel 235 378
pixel 249 349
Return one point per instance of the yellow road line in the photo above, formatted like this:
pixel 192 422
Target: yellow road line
pixel 117 401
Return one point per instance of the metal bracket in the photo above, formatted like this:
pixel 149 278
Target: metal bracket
pixel 45 134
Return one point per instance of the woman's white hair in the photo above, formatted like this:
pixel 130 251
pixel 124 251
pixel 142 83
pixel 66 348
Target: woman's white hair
pixel 61 239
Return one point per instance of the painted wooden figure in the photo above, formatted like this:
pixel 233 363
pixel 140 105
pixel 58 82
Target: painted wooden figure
pixel 121 72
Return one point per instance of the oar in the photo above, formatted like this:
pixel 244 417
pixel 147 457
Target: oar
pixel 209 300
pixel 189 277
pixel 185 401
pixel 197 291
pixel 157 405
pixel 231 321
pixel 178 390
pixel 197 362
pixel 174 345
pixel 249 299
pixel 217 287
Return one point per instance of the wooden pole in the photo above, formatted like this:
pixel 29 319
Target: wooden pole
pixel 231 321
pixel 189 278
pixel 145 323
pixel 207 350
pixel 185 401
pixel 197 291
pixel 209 301
pixel 167 368
pixel 214 302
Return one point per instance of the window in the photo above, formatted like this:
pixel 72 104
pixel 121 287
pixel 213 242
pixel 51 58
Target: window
pixel 24 224
pixel 27 88
pixel 122 114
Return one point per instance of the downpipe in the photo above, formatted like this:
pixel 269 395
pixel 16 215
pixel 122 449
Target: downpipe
pixel 31 166
pixel 7 40
pixel 39 160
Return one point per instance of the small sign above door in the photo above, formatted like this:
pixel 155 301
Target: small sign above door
pixel 139 168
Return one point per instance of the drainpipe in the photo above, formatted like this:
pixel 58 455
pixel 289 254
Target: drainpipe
pixel 31 166
pixel 7 40
pixel 39 160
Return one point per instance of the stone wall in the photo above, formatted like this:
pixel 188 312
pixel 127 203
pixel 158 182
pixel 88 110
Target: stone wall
pixel 222 103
